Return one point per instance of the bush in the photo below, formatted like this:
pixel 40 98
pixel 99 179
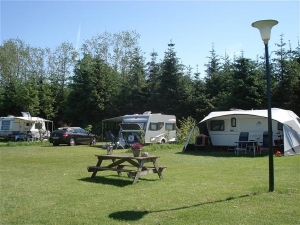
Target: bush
pixel 186 125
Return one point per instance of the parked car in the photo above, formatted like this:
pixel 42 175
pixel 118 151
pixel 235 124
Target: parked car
pixel 72 136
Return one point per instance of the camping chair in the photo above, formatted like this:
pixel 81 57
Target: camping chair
pixel 119 143
pixel 242 144
pixel 110 137
pixel 115 141
pixel 265 143
pixel 29 136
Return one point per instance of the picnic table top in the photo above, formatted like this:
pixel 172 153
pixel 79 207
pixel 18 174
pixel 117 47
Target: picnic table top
pixel 113 156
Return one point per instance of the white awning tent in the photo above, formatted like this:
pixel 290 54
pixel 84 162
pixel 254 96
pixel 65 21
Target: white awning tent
pixel 27 117
pixel 33 119
pixel 114 119
pixel 290 121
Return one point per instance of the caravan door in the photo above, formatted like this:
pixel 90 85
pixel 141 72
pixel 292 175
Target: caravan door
pixel 233 131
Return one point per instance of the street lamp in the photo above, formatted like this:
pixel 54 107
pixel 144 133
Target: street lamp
pixel 265 27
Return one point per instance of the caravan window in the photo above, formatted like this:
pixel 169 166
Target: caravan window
pixel 233 122
pixel 38 126
pixel 156 126
pixel 5 125
pixel 170 126
pixel 142 125
pixel 217 125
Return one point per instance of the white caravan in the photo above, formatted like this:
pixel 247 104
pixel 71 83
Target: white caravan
pixel 157 128
pixel 24 127
pixel 224 127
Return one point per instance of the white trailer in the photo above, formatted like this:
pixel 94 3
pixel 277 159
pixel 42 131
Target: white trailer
pixel 24 127
pixel 224 127
pixel 152 127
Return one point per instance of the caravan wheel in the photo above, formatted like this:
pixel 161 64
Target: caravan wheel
pixel 163 141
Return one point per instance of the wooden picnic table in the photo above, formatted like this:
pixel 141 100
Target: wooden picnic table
pixel 133 166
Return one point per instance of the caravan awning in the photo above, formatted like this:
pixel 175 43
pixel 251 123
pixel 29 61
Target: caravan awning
pixel 114 119
pixel 33 119
pixel 280 115
pixel 130 127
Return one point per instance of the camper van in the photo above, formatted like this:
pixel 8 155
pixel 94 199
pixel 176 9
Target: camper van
pixel 24 127
pixel 152 127
pixel 224 127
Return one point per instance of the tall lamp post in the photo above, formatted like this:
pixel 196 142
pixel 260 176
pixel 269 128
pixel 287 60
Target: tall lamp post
pixel 265 27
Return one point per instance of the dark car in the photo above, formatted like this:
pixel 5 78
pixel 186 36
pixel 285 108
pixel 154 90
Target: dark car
pixel 72 136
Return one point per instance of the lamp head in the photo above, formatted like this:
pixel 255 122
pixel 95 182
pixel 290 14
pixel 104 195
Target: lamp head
pixel 265 27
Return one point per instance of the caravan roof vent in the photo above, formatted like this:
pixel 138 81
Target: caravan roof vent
pixel 147 112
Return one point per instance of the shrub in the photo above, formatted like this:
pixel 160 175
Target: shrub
pixel 186 124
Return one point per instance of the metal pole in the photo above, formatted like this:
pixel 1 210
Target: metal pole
pixel 270 134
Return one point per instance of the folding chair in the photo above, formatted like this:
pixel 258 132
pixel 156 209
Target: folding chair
pixel 110 137
pixel 242 144
pixel 119 143
pixel 265 143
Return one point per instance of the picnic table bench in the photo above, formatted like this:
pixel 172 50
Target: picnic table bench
pixel 133 166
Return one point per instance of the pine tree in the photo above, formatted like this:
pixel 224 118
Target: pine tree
pixel 93 88
pixel 247 91
pixel 287 73
pixel 170 82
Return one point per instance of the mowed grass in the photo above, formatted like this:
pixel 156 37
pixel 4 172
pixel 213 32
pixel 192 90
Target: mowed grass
pixel 51 185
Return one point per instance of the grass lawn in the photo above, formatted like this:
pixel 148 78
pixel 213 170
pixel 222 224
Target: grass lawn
pixel 51 185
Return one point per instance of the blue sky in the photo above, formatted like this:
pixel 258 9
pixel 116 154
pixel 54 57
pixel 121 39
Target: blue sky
pixel 193 26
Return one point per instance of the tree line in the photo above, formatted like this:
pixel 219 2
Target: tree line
pixel 109 76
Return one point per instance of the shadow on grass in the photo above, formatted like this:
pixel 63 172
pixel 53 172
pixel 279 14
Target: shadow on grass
pixel 68 146
pixel 61 146
pixel 114 180
pixel 132 215
pixel 220 153
pixel 108 180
